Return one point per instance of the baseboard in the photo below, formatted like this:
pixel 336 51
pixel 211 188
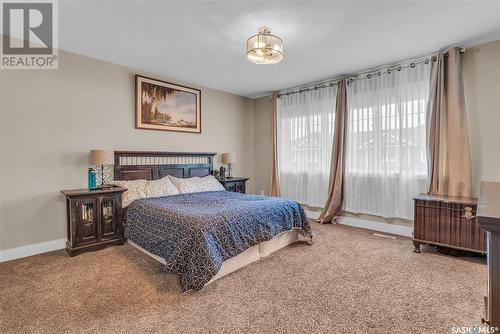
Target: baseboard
pixel 23 251
pixel 377 226
pixel 312 214
pixel 368 224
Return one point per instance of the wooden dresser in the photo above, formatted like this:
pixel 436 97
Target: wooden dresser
pixel 489 220
pixel 447 222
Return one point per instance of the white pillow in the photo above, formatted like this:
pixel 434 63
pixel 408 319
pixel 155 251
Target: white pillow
pixel 196 184
pixel 136 189
pixel 161 187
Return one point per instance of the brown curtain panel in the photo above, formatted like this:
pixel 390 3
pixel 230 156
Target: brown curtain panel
pixel 448 139
pixel 333 205
pixel 275 188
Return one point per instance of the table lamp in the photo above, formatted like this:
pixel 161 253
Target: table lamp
pixel 228 159
pixel 102 159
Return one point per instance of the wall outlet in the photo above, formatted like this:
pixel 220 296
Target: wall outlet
pixel 262 192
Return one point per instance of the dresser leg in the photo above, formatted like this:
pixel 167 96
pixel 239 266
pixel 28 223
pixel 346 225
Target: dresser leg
pixel 417 246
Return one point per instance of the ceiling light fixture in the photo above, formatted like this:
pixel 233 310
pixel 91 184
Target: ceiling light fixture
pixel 264 48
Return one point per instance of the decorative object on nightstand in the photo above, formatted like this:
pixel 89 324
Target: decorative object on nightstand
pixel 228 159
pixel 222 173
pixel 94 218
pixel 234 184
pixel 102 159
pixel 215 173
pixel 91 179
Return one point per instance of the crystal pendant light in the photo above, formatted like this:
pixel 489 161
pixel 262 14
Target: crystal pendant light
pixel 264 48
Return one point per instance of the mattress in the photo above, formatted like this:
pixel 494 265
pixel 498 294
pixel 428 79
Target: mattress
pixel 195 233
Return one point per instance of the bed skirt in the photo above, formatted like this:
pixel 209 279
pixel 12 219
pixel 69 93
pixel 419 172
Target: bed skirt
pixel 252 254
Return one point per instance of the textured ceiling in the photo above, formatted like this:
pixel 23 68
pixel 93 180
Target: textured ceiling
pixel 203 42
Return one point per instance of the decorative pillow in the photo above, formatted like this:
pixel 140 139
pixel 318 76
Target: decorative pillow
pixel 136 189
pixel 161 187
pixel 196 184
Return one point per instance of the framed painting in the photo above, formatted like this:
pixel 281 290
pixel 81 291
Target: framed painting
pixel 165 106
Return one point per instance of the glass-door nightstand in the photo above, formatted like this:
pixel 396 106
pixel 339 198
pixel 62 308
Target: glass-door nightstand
pixel 94 218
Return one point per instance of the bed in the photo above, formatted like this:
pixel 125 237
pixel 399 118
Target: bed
pixel 203 236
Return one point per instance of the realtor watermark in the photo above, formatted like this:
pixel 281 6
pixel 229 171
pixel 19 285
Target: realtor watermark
pixel 30 34
pixel 474 329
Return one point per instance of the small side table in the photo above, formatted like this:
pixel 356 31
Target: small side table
pixel 234 184
pixel 94 219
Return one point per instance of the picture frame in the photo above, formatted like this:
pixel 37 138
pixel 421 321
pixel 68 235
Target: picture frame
pixel 161 105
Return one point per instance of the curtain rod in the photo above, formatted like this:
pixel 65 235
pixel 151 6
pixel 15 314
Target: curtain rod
pixel 380 70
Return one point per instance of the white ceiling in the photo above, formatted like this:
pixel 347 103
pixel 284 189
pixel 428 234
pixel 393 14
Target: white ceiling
pixel 203 42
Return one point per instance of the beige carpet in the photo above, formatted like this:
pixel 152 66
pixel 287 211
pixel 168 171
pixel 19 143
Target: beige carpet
pixel 349 281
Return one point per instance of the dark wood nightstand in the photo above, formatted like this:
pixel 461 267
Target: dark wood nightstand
pixel 234 184
pixel 94 218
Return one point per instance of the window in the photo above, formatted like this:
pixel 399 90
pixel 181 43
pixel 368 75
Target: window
pixel 305 125
pixel 386 143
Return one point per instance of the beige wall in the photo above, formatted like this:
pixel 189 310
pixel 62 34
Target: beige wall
pixel 263 145
pixel 50 119
pixel 481 66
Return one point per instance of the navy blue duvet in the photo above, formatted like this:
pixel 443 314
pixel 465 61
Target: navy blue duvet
pixel 196 232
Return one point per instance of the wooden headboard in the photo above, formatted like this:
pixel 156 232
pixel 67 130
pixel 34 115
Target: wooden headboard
pixel 144 165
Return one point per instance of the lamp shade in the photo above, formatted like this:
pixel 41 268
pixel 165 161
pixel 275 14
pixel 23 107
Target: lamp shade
pixel 227 158
pixel 264 48
pixel 101 157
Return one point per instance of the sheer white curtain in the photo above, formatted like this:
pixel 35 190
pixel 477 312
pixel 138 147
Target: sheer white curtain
pixel 305 125
pixel 386 163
